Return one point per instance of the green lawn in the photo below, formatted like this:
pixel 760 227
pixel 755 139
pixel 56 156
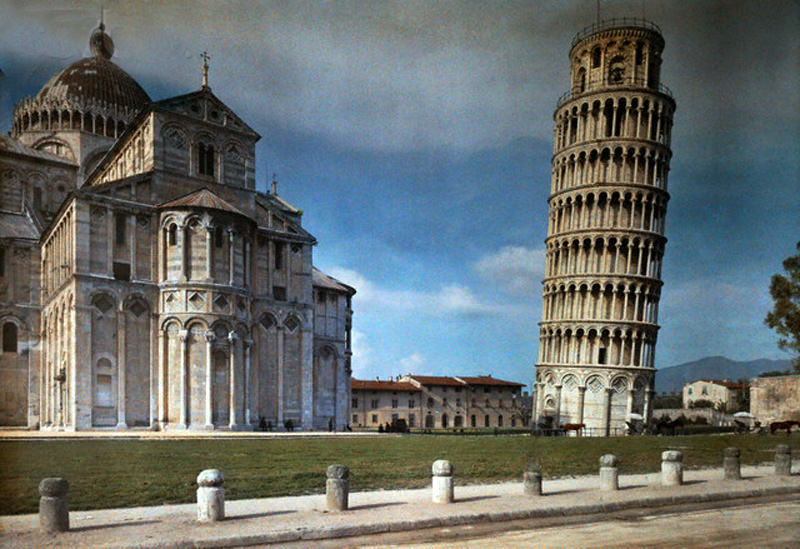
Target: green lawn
pixel 127 473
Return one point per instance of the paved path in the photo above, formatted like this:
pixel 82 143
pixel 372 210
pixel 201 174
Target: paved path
pixel 772 524
pixel 276 520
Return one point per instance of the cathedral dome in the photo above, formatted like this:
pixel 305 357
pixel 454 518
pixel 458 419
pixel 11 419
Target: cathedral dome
pixel 92 95
pixel 96 79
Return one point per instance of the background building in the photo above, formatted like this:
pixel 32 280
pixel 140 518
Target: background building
pixel 439 402
pixel 722 394
pixel 379 402
pixel 605 240
pixel 143 279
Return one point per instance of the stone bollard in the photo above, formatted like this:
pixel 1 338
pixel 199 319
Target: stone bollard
pixel 532 482
pixel 671 468
pixel 53 509
pixel 783 460
pixel 609 476
pixel 442 481
pixel 337 487
pixel 730 462
pixel 210 496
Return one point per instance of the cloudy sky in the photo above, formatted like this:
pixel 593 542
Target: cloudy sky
pixel 417 137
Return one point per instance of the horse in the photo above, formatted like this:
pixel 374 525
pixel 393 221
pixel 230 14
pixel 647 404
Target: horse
pixel 778 425
pixel 577 427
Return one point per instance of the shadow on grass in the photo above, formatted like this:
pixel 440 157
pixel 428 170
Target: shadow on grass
pixel 376 505
pixel 258 515
pixel 117 525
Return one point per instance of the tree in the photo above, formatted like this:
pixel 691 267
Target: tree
pixel 785 316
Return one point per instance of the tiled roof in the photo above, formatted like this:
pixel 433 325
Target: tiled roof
pixel 383 385
pixel 437 380
pixel 17 226
pixel 487 380
pixel 8 143
pixel 727 384
pixel 321 280
pixel 202 199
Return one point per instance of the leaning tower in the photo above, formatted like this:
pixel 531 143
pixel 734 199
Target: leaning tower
pixel 605 238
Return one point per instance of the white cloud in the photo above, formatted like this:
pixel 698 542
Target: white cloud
pixel 454 299
pixel 411 363
pixel 514 269
pixel 363 356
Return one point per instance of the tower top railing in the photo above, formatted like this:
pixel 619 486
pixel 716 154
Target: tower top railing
pixel 607 24
pixel 602 85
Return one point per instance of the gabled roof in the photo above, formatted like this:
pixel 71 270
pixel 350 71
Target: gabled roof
pixel 321 280
pixel 203 198
pixel 378 385
pixel 488 380
pixel 174 104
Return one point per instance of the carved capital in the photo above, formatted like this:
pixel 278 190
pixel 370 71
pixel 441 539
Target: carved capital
pixel 209 335
pixel 183 334
pixel 232 337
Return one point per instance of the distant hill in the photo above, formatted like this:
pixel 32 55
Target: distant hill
pixel 671 379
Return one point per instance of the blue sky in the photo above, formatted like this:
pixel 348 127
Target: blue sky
pixel 416 137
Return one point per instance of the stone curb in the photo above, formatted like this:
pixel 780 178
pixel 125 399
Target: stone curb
pixel 335 532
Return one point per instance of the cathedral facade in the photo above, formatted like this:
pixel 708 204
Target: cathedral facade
pixel 144 282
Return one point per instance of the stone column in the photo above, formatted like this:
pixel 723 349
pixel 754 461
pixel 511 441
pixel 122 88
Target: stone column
pixel 233 419
pixel 558 405
pixel 231 255
pixel 110 243
pixel 671 468
pixel 53 505
pixel 246 384
pixel 730 462
pixel 209 379
pixel 607 412
pixel 783 460
pixel 210 496
pixel 132 224
pixel 581 395
pixel 629 407
pixel 442 486
pixel 337 487
pixel 646 411
pixel 181 234
pixel 280 374
pixel 184 335
pixel 121 377
pixel 209 251
pixel 162 377
pixel 609 477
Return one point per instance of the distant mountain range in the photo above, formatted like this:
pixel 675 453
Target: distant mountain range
pixel 672 379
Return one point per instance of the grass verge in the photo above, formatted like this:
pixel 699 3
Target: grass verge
pixel 127 473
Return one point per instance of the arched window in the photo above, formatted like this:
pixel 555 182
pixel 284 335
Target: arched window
pixel 638 53
pixel 9 337
pixel 580 83
pixel 205 159
pixel 173 235
pixel 596 57
pixel 444 421
pixel 499 421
